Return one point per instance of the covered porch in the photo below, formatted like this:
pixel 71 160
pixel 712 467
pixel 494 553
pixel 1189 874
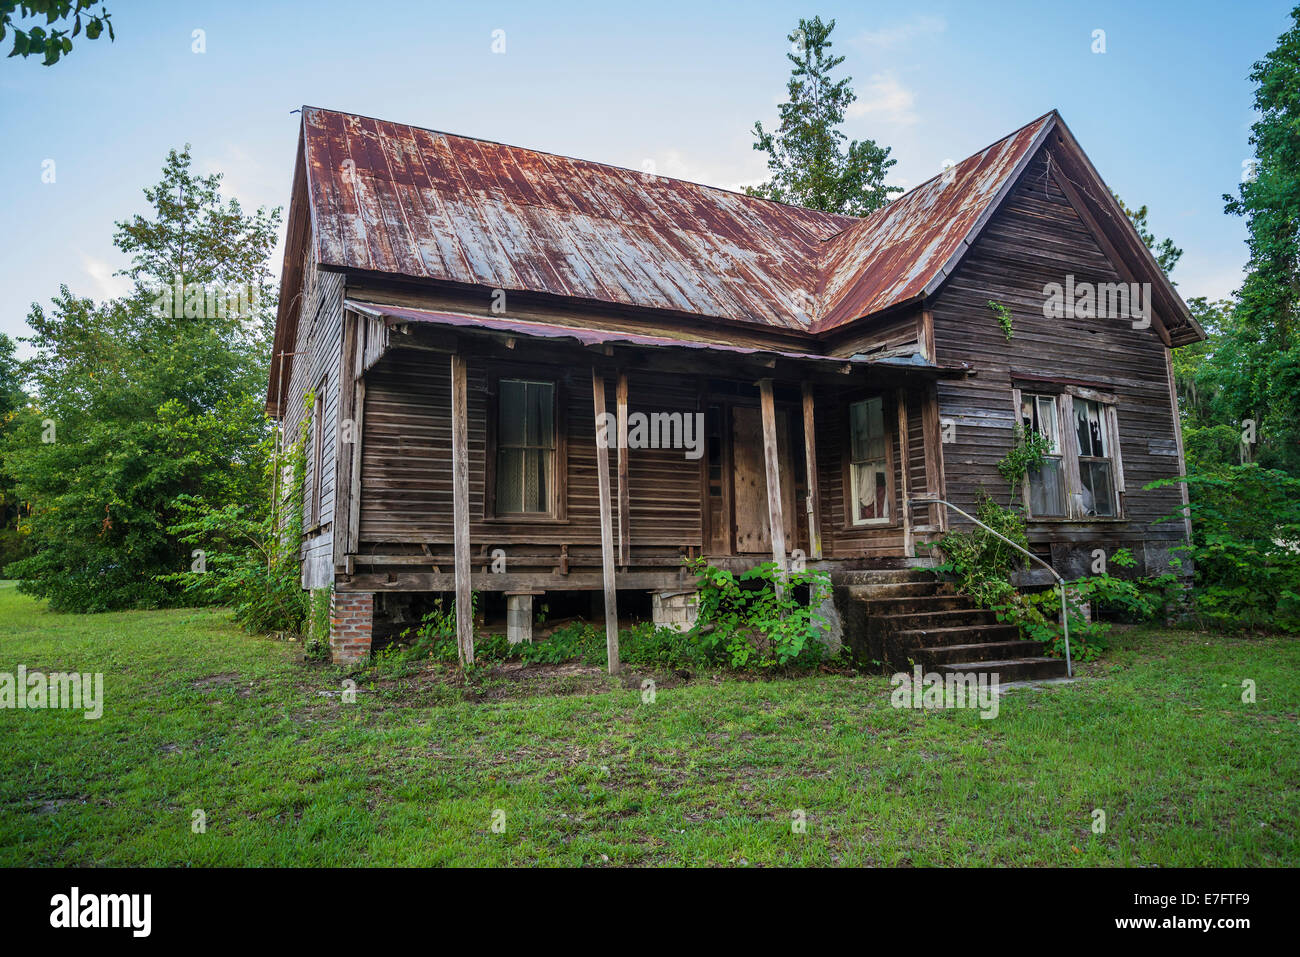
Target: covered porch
pixel 495 455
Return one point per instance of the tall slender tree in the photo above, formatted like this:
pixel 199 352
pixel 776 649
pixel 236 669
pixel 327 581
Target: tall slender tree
pixel 806 154
pixel 1262 380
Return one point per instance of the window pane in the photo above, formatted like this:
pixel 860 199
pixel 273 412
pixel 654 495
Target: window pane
pixel 1098 490
pixel 1047 425
pixel 1038 414
pixel 1088 420
pixel 1047 490
pixel 870 492
pixel 511 428
pixel 510 484
pixel 540 411
pixel 867 430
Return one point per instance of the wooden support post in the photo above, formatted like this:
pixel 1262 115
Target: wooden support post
pixel 932 432
pixel 460 511
pixel 772 461
pixel 1178 442
pixel 624 490
pixel 810 464
pixel 904 456
pixel 606 524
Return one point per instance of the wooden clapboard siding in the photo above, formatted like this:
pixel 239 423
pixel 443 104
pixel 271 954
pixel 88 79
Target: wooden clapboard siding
pixel 406 456
pixel 1035 239
pixel 319 339
pixel 897 333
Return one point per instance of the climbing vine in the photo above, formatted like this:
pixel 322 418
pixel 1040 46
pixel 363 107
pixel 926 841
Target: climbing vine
pixel 1004 317
pixel 1028 452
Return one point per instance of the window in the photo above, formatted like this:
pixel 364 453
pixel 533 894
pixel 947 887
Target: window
pixel 868 462
pixel 1038 413
pixel 1082 475
pixel 526 446
pixel 1096 471
pixel 317 455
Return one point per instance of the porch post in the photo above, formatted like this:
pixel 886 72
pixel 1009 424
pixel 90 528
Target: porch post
pixel 900 400
pixel 460 511
pixel 624 490
pixel 810 464
pixel 606 522
pixel 775 516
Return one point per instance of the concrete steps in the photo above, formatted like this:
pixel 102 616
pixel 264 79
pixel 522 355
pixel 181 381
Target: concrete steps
pixel 1009 669
pixel 896 617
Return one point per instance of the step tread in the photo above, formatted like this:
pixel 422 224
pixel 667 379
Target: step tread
pixel 947 649
pixel 937 613
pixel 952 629
pixel 986 665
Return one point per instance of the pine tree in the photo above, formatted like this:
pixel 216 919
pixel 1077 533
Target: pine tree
pixel 806 154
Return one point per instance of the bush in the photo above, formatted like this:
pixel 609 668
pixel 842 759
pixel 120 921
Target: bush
pixel 753 620
pixel 1245 548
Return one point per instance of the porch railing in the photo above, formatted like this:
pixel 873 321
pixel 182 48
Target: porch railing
pixel 1060 582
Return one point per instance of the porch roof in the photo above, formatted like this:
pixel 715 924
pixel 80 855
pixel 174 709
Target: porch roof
pixel 494 325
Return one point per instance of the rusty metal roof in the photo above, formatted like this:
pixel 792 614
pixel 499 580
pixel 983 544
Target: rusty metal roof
pixel 906 249
pixel 410 201
pixel 400 199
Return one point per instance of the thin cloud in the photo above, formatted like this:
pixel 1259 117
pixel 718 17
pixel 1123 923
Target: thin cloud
pixel 901 34
pixel 885 98
pixel 104 284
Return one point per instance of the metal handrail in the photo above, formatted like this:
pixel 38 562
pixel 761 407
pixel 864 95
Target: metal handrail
pixel 1060 582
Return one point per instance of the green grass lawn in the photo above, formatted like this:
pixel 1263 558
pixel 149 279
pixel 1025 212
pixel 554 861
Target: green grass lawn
pixel 200 716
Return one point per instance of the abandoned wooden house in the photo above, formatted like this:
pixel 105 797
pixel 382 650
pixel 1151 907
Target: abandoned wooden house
pixel 535 376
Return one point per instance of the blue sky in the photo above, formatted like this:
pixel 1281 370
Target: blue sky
pixel 1164 113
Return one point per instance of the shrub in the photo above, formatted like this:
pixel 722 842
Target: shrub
pixel 1245 548
pixel 754 620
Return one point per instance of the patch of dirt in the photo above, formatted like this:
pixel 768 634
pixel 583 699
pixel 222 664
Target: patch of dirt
pixel 227 679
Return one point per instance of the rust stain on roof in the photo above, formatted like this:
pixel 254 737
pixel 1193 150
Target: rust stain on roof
pixel 414 202
pixel 897 253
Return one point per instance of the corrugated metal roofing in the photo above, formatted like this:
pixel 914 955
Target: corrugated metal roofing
pixel 904 250
pixel 399 199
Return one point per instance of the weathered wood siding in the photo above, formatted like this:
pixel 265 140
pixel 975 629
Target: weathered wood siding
pixel 319 346
pixel 406 458
pixel 1035 239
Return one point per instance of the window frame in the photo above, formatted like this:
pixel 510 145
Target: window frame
pixel 1064 395
pixel 316 493
pixel 1059 454
pixel 891 517
pixel 1105 414
pixel 557 512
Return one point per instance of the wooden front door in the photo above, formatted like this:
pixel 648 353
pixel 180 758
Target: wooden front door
pixel 753 533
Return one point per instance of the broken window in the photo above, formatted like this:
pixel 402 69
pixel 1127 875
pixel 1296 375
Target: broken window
pixel 1038 414
pixel 1096 470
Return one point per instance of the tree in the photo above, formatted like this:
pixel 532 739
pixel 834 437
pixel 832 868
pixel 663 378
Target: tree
pixel 55 41
pixel 147 404
pixel 1262 381
pixel 805 154
pixel 1165 252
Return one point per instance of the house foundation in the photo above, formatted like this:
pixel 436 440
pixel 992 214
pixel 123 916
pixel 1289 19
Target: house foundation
pixel 352 621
